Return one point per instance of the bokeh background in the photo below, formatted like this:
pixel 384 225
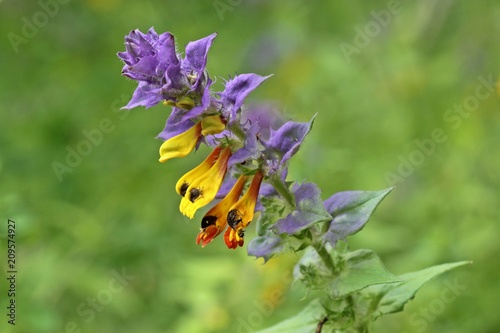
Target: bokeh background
pixel 381 85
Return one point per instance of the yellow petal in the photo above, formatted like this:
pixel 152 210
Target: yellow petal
pixel 180 145
pixel 184 182
pixel 187 208
pixel 212 125
pixel 203 190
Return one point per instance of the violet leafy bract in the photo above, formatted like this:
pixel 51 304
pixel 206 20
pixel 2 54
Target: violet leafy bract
pixel 286 140
pixel 196 59
pixel 265 246
pixel 350 211
pixel 151 60
pixel 236 90
pixel 309 210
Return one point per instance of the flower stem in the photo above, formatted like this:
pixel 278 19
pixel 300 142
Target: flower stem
pixel 238 132
pixel 325 256
pixel 283 190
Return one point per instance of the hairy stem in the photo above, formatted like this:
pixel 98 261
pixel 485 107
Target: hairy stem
pixel 325 256
pixel 238 132
pixel 282 189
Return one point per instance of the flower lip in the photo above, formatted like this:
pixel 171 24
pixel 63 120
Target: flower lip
pixel 180 145
pixel 233 239
pixel 183 184
pixel 204 187
pixel 215 221
pixel 207 235
pixel 241 214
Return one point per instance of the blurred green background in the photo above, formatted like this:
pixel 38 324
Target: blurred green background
pixel 381 84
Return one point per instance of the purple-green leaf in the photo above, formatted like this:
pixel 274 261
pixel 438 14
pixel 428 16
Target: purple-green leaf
pixel 309 210
pixel 350 211
pixel 265 246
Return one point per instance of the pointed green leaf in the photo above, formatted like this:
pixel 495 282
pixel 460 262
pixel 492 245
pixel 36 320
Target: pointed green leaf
pixel 392 298
pixel 304 322
pixel 362 268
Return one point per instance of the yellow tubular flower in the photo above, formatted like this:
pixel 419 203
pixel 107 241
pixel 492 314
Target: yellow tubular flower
pixel 203 189
pixel 180 145
pixel 212 125
pixel 184 182
pixel 215 220
pixel 241 214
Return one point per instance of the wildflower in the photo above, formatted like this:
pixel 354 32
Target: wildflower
pixel 180 145
pixel 204 188
pixel 241 214
pixel 215 220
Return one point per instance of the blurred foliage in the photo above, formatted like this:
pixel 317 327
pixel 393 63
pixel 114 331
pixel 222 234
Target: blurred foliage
pixel 117 209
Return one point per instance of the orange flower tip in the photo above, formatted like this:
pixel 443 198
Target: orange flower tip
pixel 206 235
pixel 206 242
pixel 234 238
pixel 199 238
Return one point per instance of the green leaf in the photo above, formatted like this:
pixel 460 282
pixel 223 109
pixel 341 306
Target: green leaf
pixel 304 322
pixel 392 298
pixel 361 268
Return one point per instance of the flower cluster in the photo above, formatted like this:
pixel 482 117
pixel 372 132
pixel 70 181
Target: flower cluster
pixel 250 145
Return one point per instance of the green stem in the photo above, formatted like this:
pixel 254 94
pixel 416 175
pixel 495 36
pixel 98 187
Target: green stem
pixel 283 190
pixel 238 132
pixel 325 256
